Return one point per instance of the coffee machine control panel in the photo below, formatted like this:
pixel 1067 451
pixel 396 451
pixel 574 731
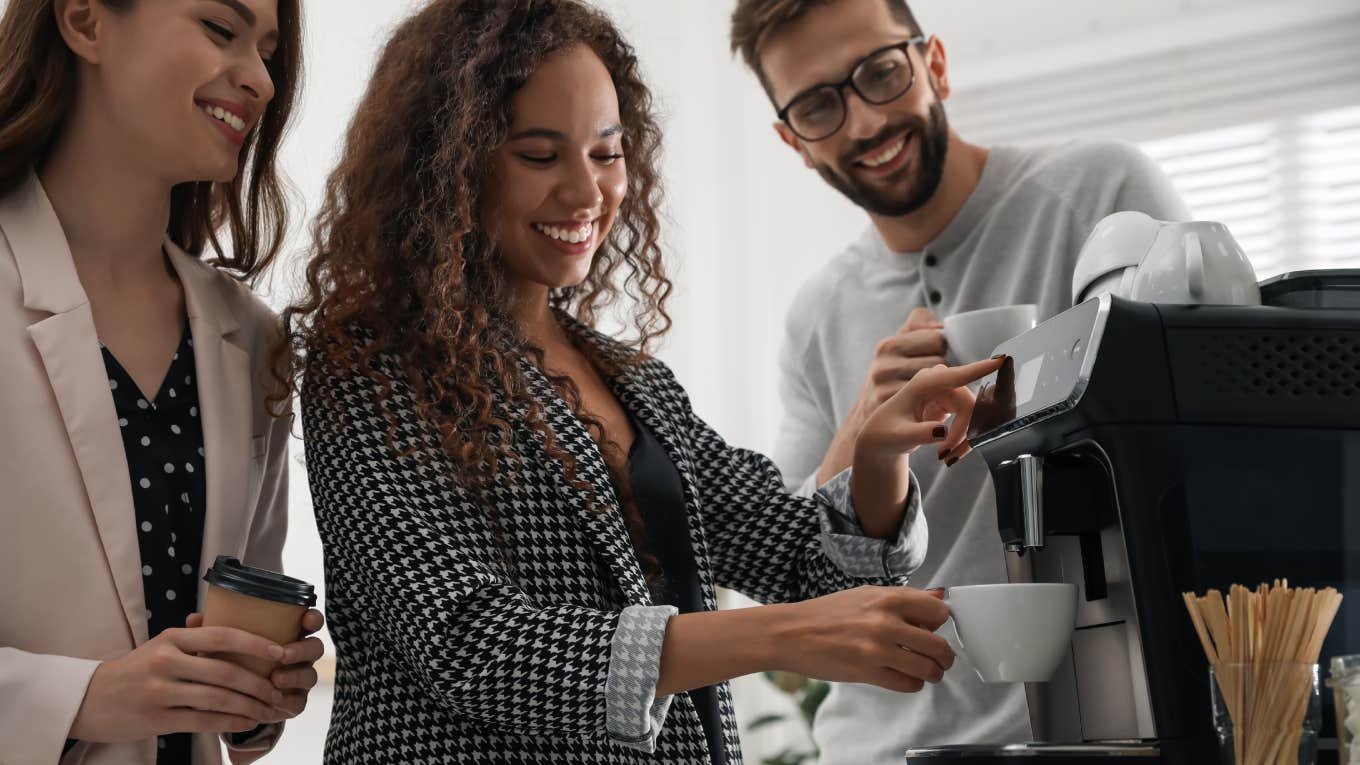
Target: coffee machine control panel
pixel 1046 371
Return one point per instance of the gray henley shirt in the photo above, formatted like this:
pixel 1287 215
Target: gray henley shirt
pixel 1015 240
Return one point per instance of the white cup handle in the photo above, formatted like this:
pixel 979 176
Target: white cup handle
pixel 1194 265
pixel 958 639
pixel 1125 289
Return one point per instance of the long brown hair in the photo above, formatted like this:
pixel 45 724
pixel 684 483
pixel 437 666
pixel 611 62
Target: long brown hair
pixel 38 79
pixel 399 251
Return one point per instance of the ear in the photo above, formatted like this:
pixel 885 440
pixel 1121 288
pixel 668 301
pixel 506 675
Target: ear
pixel 791 140
pixel 937 65
pixel 78 22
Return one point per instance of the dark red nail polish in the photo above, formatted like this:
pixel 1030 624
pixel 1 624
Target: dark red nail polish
pixel 999 356
pixel 941 431
pixel 950 462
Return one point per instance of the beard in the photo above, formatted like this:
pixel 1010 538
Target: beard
pixel 933 138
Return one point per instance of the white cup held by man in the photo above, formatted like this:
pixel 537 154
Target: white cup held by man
pixel 1014 633
pixel 973 335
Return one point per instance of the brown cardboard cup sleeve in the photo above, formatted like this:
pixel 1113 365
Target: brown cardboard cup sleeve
pixel 256 600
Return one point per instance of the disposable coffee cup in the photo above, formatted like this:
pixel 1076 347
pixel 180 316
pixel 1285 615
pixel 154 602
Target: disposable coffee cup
pixel 974 335
pixel 258 601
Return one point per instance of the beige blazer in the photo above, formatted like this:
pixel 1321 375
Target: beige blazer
pixel 70 570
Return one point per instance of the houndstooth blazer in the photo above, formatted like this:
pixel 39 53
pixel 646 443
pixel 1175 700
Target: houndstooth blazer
pixel 448 654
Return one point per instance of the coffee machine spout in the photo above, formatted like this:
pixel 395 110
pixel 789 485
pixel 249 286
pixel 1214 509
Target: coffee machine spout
pixel 1030 469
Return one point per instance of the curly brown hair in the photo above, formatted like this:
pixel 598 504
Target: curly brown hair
pixel 403 268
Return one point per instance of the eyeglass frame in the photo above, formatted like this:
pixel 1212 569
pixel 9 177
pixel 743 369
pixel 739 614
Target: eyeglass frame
pixel 839 87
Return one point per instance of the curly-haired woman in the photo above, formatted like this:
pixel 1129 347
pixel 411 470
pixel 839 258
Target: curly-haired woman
pixel 524 521
pixel 137 442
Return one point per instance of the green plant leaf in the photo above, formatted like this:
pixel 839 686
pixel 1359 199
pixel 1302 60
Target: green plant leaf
pixel 764 720
pixel 814 695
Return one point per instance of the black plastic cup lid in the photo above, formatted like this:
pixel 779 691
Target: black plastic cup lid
pixel 230 574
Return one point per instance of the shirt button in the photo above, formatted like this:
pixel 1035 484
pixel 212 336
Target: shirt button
pixel 935 296
pixel 931 260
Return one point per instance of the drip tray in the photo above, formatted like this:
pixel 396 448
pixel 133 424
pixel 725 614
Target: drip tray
pixel 1094 753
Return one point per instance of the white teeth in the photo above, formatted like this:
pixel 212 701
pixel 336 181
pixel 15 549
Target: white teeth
pixel 886 155
pixel 218 112
pixel 569 235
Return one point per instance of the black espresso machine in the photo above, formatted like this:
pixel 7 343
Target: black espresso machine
pixel 1140 451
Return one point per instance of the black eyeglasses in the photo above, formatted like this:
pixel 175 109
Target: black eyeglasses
pixel 878 78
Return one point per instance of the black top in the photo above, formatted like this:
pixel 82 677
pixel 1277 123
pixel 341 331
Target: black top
pixel 660 498
pixel 163 440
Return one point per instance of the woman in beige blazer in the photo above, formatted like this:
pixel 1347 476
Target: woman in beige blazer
pixel 130 132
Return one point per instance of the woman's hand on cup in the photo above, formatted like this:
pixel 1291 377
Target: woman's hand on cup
pixel 165 686
pixel 882 636
pixel 295 676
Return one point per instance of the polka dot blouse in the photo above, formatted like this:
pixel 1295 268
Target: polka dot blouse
pixel 163 439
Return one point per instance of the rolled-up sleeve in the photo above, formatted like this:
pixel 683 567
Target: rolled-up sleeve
pixel 633 713
pixel 244 748
pixel 862 556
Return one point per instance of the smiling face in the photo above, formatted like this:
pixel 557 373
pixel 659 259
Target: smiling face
pixel 179 84
pixel 888 159
pixel 557 182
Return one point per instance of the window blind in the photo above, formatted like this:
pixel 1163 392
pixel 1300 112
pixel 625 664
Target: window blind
pixel 1260 132
pixel 1288 189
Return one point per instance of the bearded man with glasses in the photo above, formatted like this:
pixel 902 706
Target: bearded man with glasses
pixel 858 93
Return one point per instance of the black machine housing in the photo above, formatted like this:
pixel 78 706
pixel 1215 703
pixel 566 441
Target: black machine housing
pixel 1217 445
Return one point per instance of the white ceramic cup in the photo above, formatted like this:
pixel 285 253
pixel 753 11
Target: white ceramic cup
pixel 1014 633
pixel 1198 262
pixel 973 335
pixel 1109 258
pixel 1131 255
